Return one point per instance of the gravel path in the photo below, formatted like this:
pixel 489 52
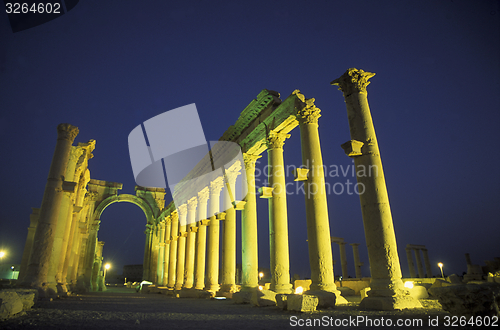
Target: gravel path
pixel 126 309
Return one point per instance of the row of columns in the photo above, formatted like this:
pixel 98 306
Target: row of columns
pixel 189 250
pixel 343 258
pixel 416 249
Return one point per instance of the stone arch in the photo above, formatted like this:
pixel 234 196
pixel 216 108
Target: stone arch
pixel 142 203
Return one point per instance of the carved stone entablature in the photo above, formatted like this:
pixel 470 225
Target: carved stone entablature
pixel 91 196
pixel 309 114
pixel 67 132
pixel 352 81
pixel 276 140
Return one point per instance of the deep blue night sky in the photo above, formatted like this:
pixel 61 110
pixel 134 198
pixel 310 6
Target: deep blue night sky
pixel 107 66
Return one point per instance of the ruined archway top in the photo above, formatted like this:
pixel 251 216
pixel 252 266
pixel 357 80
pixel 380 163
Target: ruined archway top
pixel 143 204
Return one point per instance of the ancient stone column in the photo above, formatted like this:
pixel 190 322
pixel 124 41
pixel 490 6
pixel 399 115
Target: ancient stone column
pixel 146 276
pixel 172 261
pixel 96 269
pixel 427 263
pixel 153 259
pixel 249 241
pixel 278 220
pixel 228 283
pixel 411 266
pixel 39 262
pixel 190 242
pixel 201 240
pixel 420 267
pixel 181 247
pixel 29 243
pixel 387 290
pixel 212 281
pixel 343 260
pixel 357 262
pixel 161 254
pixel 318 226
pixel 166 255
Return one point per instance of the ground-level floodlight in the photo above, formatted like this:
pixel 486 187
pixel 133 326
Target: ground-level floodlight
pixel 106 267
pixel 440 264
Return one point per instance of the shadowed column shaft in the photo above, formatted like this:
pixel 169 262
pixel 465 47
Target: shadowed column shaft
pixel 166 252
pixel 190 242
pixel 411 266
pixel 39 261
pixel 172 261
pixel 201 240
pixel 181 247
pixel 212 281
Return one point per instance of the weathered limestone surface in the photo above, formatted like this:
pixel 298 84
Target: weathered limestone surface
pixel 387 291
pixel 302 302
pixel 263 298
pixel 469 299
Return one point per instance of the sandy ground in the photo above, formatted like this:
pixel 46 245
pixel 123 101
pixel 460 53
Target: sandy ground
pixel 121 308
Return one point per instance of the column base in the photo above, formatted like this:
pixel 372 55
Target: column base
pixel 229 288
pixel 249 287
pixel 397 302
pixel 62 290
pixel 212 288
pixel 282 288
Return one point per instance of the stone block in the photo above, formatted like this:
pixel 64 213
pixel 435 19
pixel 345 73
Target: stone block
pixel 28 297
pixel 263 298
pixel 305 284
pixel 11 304
pixel 454 279
pixel 469 299
pixel 281 300
pixel 242 297
pixel 419 292
pixel 325 299
pixel 345 291
pixel 302 302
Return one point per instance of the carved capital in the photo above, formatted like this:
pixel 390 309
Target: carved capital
pixel 250 160
pixel 232 173
pixel 203 195
pixel 192 203
pixel 353 80
pixel 216 186
pixel 276 140
pixel 182 210
pixel 67 132
pixel 309 114
pixel 174 216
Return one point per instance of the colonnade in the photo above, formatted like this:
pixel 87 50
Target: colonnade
pixel 416 249
pixel 343 258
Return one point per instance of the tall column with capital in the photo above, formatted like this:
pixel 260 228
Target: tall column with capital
pixel 201 240
pixel 357 262
pixel 428 269
pixel 172 259
pixel 212 281
pixel 190 243
pixel 146 276
pixel 278 219
pixel 420 267
pixel 181 247
pixel 387 290
pixel 161 254
pixel 229 233
pixel 411 266
pixel 318 226
pixel 39 262
pixel 343 260
pixel 249 241
pixel 153 259
pixel 166 251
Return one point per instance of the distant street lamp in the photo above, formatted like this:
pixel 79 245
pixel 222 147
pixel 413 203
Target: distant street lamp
pixel 440 264
pixel 2 254
pixel 106 267
pixel 261 275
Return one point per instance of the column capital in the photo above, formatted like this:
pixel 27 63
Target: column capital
pixel 250 160
pixel 232 172
pixel 352 81
pixel 182 210
pixel 67 132
pixel 203 195
pixel 216 186
pixel 309 114
pixel 174 216
pixel 192 204
pixel 276 140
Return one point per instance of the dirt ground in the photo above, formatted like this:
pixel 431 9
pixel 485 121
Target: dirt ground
pixel 121 308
